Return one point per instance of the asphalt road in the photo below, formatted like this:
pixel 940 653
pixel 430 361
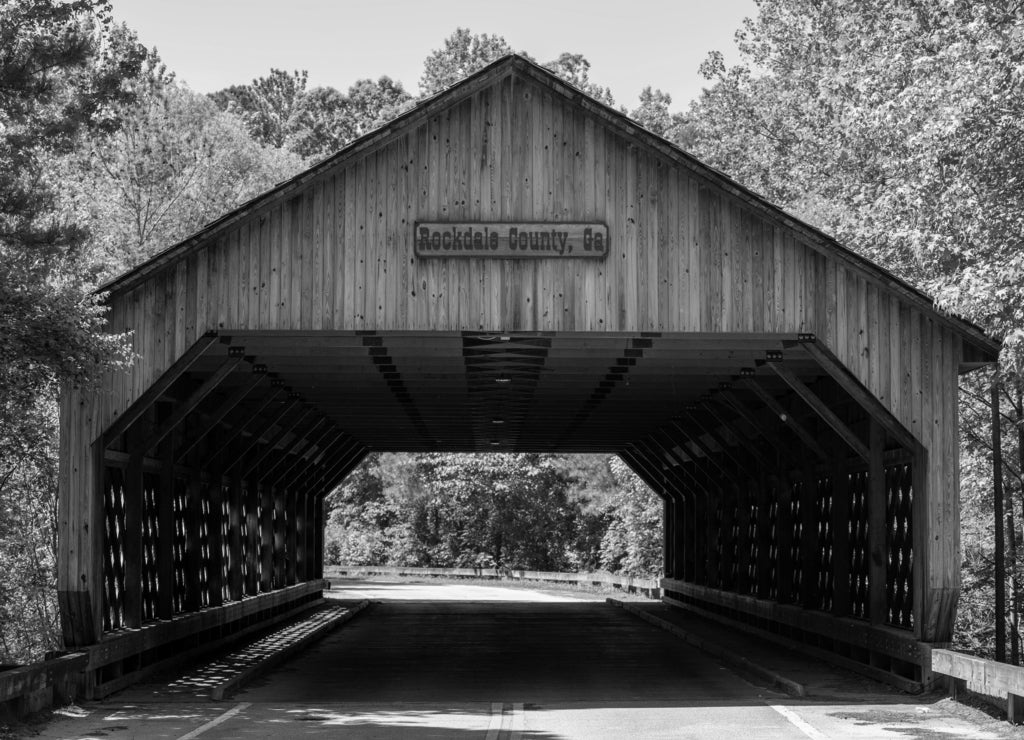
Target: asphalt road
pixel 453 661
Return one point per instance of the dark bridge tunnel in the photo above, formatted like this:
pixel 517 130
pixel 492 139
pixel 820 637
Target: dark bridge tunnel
pixel 794 405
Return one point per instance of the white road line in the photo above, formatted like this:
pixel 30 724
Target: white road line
pixel 797 722
pixel 494 728
pixel 518 721
pixel 216 721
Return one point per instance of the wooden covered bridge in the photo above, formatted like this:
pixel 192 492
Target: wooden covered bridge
pixel 512 266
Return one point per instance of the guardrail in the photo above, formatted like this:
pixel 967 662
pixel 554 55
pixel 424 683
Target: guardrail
pixel 124 657
pixel 650 587
pixel 996 682
pixel 29 688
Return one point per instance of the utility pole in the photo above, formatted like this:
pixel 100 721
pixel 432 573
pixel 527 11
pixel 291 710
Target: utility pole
pixel 997 474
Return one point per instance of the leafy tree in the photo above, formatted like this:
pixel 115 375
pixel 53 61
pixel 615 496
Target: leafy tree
pixel 59 74
pixel 174 164
pixel 267 105
pixel 325 120
pixel 320 125
pixel 633 540
pixel 463 54
pixel 575 69
pixel 542 512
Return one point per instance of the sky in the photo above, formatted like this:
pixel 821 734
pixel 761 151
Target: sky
pixel 630 44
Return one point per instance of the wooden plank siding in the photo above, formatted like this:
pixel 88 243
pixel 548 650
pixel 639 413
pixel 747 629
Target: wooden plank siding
pixel 688 254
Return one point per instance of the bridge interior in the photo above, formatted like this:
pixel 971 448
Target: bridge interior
pixel 757 443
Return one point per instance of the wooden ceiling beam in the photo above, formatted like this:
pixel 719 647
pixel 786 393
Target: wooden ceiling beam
pixel 282 433
pixel 783 415
pixel 186 407
pixel 259 375
pixel 299 442
pixel 159 387
pixel 856 390
pixel 819 407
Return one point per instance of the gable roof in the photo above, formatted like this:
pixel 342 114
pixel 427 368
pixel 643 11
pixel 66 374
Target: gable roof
pixel 516 64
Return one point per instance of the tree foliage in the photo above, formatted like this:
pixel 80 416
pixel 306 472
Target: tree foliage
pixel 268 105
pixel 59 77
pixel 463 54
pixel 505 511
pixel 175 163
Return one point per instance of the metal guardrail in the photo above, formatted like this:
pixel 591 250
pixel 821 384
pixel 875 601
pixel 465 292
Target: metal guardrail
pixel 997 682
pixel 650 587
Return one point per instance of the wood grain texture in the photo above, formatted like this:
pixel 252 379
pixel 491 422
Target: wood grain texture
pixel 333 252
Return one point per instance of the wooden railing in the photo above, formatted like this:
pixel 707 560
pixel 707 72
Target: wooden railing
pixel 126 656
pixel 30 688
pixel 998 683
pixel 647 586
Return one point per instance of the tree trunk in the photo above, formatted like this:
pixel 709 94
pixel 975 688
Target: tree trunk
pixel 1011 529
pixel 998 523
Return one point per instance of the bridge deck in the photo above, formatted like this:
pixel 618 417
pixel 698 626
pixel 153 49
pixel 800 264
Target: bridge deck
pixel 496 663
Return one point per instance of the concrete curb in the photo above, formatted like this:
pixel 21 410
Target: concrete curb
pixel 219 692
pixel 791 687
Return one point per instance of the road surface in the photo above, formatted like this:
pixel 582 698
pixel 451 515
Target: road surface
pixel 492 663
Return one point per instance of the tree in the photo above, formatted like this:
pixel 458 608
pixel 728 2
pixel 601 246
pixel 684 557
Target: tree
pixel 60 72
pixel 463 54
pixel 543 512
pixel 267 105
pixel 633 540
pixel 325 120
pixel 653 114
pixel 175 163
pixel 575 69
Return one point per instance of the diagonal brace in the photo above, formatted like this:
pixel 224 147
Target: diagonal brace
pixel 821 409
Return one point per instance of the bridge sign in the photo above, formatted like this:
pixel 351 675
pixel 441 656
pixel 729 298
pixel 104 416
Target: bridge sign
pixel 511 240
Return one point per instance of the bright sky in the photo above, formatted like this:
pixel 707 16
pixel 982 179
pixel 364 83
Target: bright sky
pixel 211 44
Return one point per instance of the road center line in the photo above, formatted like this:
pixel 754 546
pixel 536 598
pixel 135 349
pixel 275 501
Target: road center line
pixel 217 720
pixel 795 720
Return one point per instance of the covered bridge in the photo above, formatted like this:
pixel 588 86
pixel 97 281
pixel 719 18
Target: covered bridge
pixel 513 266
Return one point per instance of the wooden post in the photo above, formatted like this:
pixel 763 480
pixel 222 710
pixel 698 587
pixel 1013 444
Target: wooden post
pixel 251 495
pixel 193 517
pixel 300 535
pixel 840 539
pixel 310 539
pixel 267 539
pixel 165 596
pixel 784 541
pixel 877 551
pixel 727 541
pixel 236 587
pixel 132 541
pixel 215 538
pixel 280 537
pixel 690 523
pixel 1000 545
pixel 764 563
pixel 809 553
pixel 743 541
pixel 318 535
